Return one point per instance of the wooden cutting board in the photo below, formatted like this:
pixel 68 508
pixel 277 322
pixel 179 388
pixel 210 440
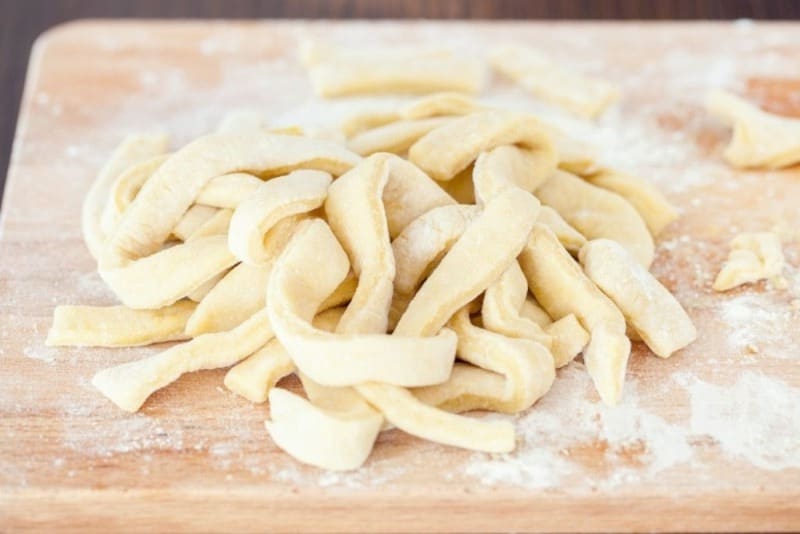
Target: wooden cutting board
pixel 707 440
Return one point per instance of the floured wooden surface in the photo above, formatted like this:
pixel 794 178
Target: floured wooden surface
pixel 709 439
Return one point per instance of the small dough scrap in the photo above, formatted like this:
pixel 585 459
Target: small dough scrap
pixel 125 189
pixel 133 150
pixel 117 326
pixel 597 213
pixel 754 256
pixel 652 205
pixel 568 236
pixel 502 303
pixel 395 137
pixel 510 166
pixel 526 364
pixel 171 274
pixel 229 190
pixel 646 304
pixel 488 246
pixel 130 384
pixel 569 339
pixel 450 148
pixel 552 82
pixel 276 199
pixel 561 287
pixel 176 184
pixel 760 139
pixel 195 217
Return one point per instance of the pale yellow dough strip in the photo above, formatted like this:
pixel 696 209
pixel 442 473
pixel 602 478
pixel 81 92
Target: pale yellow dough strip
pixel 561 287
pixel 125 189
pixel 176 184
pixel 117 326
pixel 754 256
pixel 228 190
pixel 395 137
pixel 509 166
pixel 647 305
pixel 597 213
pixel 195 217
pixel 445 151
pixel 568 236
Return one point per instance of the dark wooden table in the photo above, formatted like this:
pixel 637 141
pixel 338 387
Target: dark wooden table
pixel 22 20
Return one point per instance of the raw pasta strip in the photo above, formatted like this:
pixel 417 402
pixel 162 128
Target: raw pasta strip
pixel 171 274
pixel 760 139
pixel 545 78
pixel 310 268
pixel 445 151
pixel 133 150
pixel 218 224
pixel 468 388
pixel 654 208
pixel 296 193
pixel 501 307
pixel 754 256
pixel 526 364
pixel 568 236
pixel 531 310
pixel 597 213
pixel 195 217
pixel 236 297
pixel 228 190
pixel 177 183
pixel 488 246
pixel 199 294
pixel 569 339
pixel 125 189
pixel 647 305
pixel 117 326
pixel 128 385
pixel 509 166
pixel 425 240
pixel 561 287
pixel 395 137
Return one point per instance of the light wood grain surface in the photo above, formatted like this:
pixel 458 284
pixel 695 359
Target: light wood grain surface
pixel 198 458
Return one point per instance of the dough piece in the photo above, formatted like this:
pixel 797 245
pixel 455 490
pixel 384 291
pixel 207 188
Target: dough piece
pixel 195 217
pixel 545 78
pixel 488 246
pixel 130 384
pixel 348 437
pixel 125 189
pixel 561 287
pixel 509 166
pixel 174 187
pixel 218 224
pixel 239 121
pixel 652 205
pixel 395 137
pixel 233 299
pixel 574 156
pixel 421 244
pixel 754 256
pixel 117 326
pixel 526 364
pixel 460 187
pixel 568 236
pixel 294 194
pixel 647 305
pixel 341 71
pixel 502 303
pixel 310 268
pixel 531 310
pixel 199 294
pixel 597 213
pixel 569 339
pixel 760 139
pixel 133 150
pixel 450 148
pixel 468 388
pixel 229 190
pixel 171 274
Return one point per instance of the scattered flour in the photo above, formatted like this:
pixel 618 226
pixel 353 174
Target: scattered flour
pixel 756 319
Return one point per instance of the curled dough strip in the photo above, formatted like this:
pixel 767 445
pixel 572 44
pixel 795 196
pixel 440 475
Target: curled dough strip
pixel 488 246
pixel 117 326
pixel 531 310
pixel 445 151
pixel 760 139
pixel 133 150
pixel 171 274
pixel 647 305
pixel 568 236
pixel 296 193
pixel 128 385
pixel 509 166
pixel 654 208
pixel 199 294
pixel 195 217
pixel 561 287
pixel 468 388
pixel 218 224
pixel 228 190
pixel 526 364
pixel 177 183
pixel 597 213
pixel 502 303
pixel 395 137
pixel 310 268
pixel 753 256
pixel 125 189
pixel 569 339
pixel 425 240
